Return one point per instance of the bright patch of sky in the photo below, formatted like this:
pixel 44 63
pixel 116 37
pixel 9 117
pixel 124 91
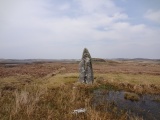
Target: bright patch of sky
pixel 61 29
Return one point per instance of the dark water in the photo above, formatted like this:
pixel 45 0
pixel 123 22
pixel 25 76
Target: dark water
pixel 148 107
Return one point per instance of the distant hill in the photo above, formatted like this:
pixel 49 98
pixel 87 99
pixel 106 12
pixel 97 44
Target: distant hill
pixel 29 61
pixel 135 59
pixel 98 60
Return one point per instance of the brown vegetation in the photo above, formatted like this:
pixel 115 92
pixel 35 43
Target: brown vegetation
pixel 131 96
pixel 50 91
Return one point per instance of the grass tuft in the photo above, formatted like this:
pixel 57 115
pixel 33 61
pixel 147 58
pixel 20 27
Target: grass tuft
pixel 131 96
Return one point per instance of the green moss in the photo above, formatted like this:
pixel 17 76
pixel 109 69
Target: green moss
pixel 131 96
pixel 107 87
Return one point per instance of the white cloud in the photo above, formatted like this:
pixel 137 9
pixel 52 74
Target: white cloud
pixel 153 15
pixel 98 6
pixel 50 29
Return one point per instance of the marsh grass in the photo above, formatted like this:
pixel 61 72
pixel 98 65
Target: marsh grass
pixel 59 79
pixel 138 83
pixel 38 102
pixel 55 97
pixel 131 96
pixel 131 78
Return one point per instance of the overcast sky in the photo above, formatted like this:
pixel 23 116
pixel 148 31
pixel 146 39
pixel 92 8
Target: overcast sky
pixel 61 29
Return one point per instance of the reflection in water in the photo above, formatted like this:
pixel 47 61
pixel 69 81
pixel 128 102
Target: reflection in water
pixel 147 107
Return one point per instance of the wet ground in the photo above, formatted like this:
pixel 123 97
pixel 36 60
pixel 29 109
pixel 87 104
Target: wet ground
pixel 147 107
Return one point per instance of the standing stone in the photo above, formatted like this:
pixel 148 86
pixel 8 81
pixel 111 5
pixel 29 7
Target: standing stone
pixel 85 68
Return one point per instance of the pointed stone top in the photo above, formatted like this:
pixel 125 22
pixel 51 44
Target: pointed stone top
pixel 86 53
pixel 85 50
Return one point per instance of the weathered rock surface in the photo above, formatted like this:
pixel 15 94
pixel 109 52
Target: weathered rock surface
pixel 85 68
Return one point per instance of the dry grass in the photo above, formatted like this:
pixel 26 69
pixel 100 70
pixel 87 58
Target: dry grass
pixel 135 83
pixel 131 78
pixel 39 102
pixel 50 91
pixel 61 79
pixel 131 96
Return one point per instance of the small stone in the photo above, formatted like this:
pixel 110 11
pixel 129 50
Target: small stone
pixel 81 110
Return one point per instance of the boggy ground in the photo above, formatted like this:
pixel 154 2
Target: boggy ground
pixel 50 90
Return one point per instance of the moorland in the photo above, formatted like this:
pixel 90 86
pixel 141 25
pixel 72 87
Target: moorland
pixel 49 89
